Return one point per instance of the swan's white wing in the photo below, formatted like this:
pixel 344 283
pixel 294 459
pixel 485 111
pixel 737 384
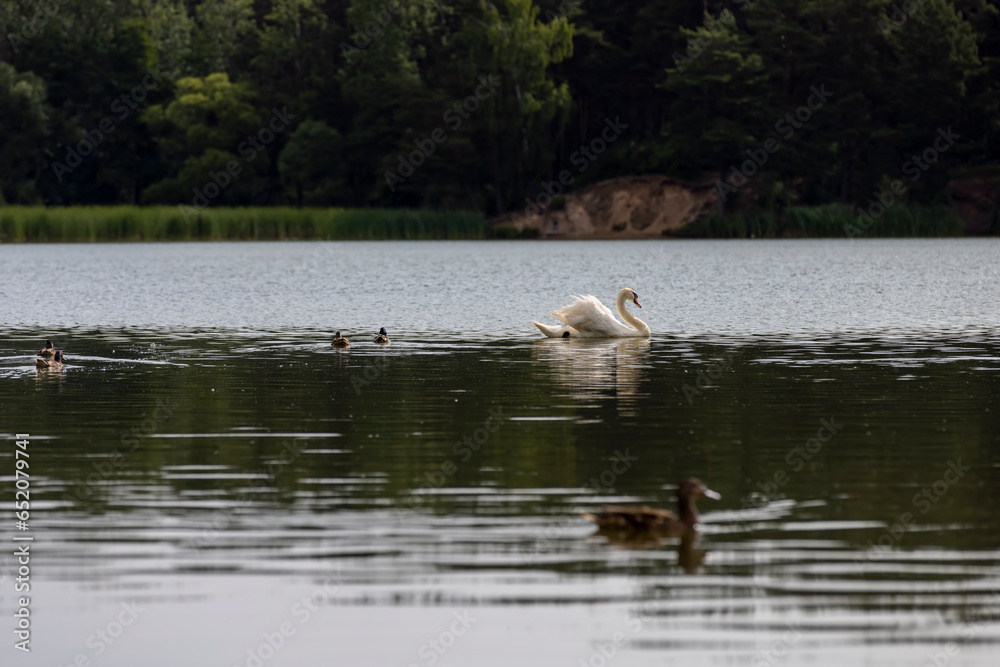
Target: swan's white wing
pixel 553 332
pixel 591 318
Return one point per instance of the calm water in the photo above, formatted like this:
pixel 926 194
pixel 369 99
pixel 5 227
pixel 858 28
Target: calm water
pixel 209 462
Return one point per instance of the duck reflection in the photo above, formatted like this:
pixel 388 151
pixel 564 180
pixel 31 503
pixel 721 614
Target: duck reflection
pixel 690 558
pixel 594 368
pixel 50 376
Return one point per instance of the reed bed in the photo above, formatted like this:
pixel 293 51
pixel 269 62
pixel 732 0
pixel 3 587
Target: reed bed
pixel 165 223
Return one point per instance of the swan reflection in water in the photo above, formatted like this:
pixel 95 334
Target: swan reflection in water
pixel 589 369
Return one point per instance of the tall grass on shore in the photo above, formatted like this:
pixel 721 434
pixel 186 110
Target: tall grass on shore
pixel 829 220
pixel 165 223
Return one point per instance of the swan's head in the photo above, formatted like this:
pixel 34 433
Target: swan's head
pixel 633 297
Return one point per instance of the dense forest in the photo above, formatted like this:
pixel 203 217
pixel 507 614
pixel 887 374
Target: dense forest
pixel 477 105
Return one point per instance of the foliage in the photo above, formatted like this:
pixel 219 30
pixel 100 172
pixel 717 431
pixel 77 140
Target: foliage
pixel 23 118
pixel 368 82
pixel 206 127
pixel 312 164
pixel 829 220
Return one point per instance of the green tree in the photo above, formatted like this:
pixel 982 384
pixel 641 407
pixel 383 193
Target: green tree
pixel 296 52
pixel 833 47
pixel 209 124
pixel 226 37
pixel 525 115
pixel 312 165
pixel 935 55
pixel 621 54
pixel 379 76
pixel 983 108
pixel 723 101
pixel 90 55
pixel 24 124
pixel 172 32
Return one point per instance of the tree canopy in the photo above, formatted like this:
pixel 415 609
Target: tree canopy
pixel 476 103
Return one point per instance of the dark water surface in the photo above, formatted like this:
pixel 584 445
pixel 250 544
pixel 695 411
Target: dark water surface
pixel 254 497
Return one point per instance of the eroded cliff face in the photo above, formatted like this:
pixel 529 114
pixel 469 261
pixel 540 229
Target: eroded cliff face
pixel 636 207
pixel 628 207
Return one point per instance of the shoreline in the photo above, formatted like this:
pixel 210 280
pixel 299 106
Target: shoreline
pixel 131 224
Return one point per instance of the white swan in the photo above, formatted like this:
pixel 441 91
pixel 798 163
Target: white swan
pixel 587 317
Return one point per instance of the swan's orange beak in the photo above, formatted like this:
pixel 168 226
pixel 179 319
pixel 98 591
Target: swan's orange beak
pixel 636 300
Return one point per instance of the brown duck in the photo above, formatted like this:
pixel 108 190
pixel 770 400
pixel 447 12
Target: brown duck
pixel 644 518
pixel 340 341
pixel 48 351
pixel 55 363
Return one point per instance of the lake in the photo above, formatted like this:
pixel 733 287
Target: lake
pixel 213 484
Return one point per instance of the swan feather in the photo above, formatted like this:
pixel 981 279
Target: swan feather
pixel 591 318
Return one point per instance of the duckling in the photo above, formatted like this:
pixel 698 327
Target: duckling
pixel 50 364
pixel 48 351
pixel 644 518
pixel 340 341
pixel 382 336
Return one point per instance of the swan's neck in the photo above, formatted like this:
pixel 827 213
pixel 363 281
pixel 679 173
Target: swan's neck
pixel 638 324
